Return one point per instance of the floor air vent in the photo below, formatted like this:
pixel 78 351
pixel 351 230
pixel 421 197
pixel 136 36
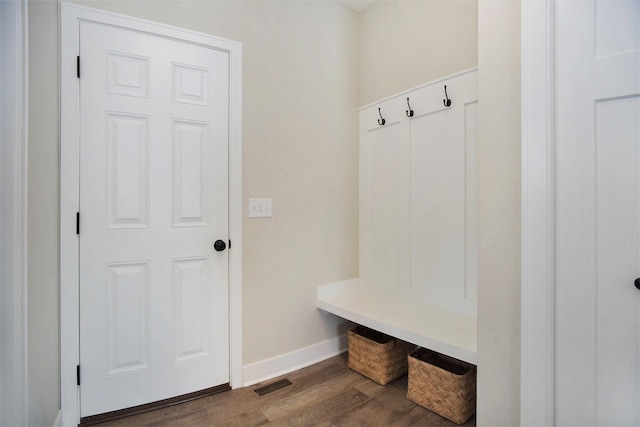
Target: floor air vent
pixel 270 388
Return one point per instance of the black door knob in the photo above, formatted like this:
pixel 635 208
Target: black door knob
pixel 637 283
pixel 219 245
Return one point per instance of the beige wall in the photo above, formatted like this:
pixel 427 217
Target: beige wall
pixel 499 213
pixel 404 44
pixel 43 311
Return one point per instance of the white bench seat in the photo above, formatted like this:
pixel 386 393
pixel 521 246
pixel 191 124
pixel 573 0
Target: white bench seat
pixel 428 326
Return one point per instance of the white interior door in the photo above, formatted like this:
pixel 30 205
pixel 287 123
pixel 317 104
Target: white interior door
pixel 598 213
pixel 154 303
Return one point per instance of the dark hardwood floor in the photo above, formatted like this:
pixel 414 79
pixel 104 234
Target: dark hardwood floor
pixel 325 394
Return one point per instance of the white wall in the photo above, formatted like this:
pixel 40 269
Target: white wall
pixel 499 213
pixel 404 44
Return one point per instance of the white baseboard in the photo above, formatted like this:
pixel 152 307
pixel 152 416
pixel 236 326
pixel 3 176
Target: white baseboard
pixel 289 362
pixel 58 421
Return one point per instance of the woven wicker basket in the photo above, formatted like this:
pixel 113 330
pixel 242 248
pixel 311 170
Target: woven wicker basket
pixel 442 384
pixel 377 356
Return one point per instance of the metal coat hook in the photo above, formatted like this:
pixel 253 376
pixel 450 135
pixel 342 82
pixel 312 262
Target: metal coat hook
pixel 409 111
pixel 447 101
pixel 381 120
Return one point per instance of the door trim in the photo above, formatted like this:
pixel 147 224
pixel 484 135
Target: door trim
pixel 537 372
pixel 14 129
pixel 71 15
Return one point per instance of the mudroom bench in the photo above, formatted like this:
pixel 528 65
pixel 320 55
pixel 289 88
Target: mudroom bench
pixel 418 228
pixel 428 326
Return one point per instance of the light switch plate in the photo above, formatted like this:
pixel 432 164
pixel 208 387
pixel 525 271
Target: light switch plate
pixel 259 208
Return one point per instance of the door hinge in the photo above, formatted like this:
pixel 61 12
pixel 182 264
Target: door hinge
pixel 229 243
pixel 78 374
pixel 78 66
pixel 77 223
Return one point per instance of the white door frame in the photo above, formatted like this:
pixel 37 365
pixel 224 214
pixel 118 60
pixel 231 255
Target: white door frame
pixel 13 211
pixel 71 15
pixel 538 214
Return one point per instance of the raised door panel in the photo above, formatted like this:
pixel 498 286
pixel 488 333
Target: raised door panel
pixel 190 308
pixel 127 74
pixel 128 172
pixel 190 84
pixel 189 181
pixel 127 317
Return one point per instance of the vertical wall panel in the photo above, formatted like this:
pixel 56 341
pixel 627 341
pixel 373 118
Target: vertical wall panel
pixel 471 202
pixel 387 209
pixel 437 205
pixel 419 196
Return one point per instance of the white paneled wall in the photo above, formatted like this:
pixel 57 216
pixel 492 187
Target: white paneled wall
pixel 418 194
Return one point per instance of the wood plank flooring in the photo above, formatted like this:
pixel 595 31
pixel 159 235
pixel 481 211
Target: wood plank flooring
pixel 327 394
